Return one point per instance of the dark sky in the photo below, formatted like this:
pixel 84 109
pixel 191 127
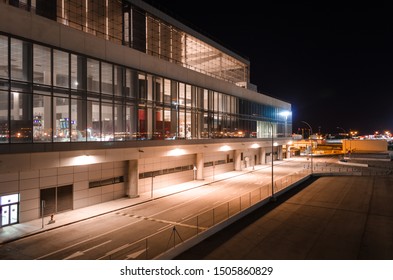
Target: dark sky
pixel 333 63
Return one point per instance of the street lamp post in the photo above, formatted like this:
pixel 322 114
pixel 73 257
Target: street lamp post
pixel 273 198
pixel 309 126
pixel 345 134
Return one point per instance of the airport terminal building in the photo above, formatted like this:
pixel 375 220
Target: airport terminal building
pixel 99 99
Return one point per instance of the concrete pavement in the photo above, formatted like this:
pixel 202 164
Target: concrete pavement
pixel 330 218
pixel 20 230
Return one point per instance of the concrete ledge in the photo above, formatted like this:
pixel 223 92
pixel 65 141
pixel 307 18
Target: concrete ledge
pixel 352 163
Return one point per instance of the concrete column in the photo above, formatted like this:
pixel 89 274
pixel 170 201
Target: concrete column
pixel 199 165
pixel 262 155
pixel 237 159
pixel 279 152
pixel 132 179
pixel 288 152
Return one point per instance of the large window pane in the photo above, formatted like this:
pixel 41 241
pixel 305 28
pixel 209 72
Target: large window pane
pixel 3 57
pixel 61 119
pixel 4 130
pixel 42 65
pixel 169 133
pixel 119 121
pixel 107 120
pixel 21 117
pixel 42 126
pixel 78 72
pixel 167 91
pixel 78 120
pixel 93 121
pixel 93 75
pixel 131 83
pixel 118 80
pixel 60 69
pixel 131 122
pixel 106 78
pixel 21 60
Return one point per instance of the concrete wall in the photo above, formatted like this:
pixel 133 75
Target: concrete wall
pixel 29 183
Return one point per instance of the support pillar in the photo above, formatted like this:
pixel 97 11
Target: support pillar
pixel 237 160
pixel 262 155
pixel 132 179
pixel 199 165
pixel 279 152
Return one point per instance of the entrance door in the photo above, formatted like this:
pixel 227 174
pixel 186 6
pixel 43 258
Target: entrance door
pixel 56 200
pixel 9 208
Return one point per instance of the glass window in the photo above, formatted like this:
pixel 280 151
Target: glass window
pixel 167 91
pixel 150 87
pixel 21 117
pixel 119 121
pixel 107 120
pixel 61 119
pixel 21 60
pixel 188 96
pixel 42 65
pixel 93 121
pixel 3 57
pixel 169 133
pixel 42 125
pixel 118 80
pixel 78 120
pixel 106 78
pixel 78 66
pixel 181 95
pixel 60 69
pixel 93 75
pixel 131 122
pixel 4 131
pixel 158 89
pixel 158 125
pixel 142 124
pixel 131 83
pixel 8 199
pixel 182 124
pixel 142 89
pixel 188 126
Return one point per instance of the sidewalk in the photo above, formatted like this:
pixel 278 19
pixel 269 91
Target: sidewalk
pixel 20 230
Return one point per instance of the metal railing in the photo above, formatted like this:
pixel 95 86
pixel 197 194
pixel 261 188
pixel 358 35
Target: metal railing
pixel 178 232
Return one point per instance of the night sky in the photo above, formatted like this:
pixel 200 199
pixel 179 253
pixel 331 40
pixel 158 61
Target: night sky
pixel 333 63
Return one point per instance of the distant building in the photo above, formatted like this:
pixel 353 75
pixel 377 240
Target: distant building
pixel 98 98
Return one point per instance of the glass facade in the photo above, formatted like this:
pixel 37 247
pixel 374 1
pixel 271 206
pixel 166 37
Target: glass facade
pixel 50 95
pixel 124 23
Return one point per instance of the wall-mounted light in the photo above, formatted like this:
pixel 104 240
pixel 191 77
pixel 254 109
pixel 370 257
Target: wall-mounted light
pixel 255 146
pixel 225 148
pixel 176 152
pixel 83 160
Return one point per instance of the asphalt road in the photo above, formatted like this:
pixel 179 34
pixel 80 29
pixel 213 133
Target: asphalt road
pixel 131 233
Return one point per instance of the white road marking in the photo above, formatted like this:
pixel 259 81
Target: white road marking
pixel 80 253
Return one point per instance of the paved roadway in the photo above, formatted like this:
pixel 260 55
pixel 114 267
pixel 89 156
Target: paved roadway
pixel 122 234
pixel 131 232
pixel 333 218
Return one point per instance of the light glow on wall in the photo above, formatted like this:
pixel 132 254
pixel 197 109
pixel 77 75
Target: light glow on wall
pixel 83 160
pixel 255 146
pixel 225 148
pixel 176 152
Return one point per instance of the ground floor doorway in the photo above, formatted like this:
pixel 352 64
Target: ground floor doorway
pixel 55 200
pixel 9 208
